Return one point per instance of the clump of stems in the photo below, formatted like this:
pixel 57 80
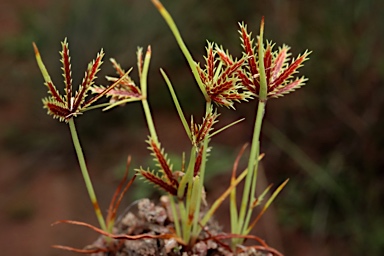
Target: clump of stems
pixel 260 73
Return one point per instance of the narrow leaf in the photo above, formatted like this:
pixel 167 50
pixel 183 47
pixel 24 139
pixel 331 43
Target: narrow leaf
pixel 267 204
pixel 48 82
pixel 177 104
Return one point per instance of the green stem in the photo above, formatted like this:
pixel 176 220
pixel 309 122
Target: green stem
pixel 220 200
pixel 143 85
pixel 183 220
pixel 253 162
pixel 188 175
pixel 172 25
pixel 263 78
pixel 193 203
pixel 195 230
pixel 176 219
pixel 186 183
pixel 252 165
pixel 84 171
pixel 252 194
pixel 233 209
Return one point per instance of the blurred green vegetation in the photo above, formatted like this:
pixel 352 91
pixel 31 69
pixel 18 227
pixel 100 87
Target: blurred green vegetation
pixel 334 121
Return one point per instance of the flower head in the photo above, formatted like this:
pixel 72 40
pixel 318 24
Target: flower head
pixel 199 132
pixel 219 77
pixel 64 107
pixel 278 68
pixel 126 90
pixel 164 178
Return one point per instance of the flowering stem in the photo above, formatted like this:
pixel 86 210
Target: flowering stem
pixel 84 171
pixel 196 231
pixel 143 85
pixel 253 163
pixel 152 130
pixel 220 200
pixel 168 18
pixel 176 219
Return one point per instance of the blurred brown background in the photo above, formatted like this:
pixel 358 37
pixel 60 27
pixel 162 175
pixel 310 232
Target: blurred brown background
pixel 326 137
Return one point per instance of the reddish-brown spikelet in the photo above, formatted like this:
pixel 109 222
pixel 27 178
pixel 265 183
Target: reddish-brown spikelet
pixel 126 89
pixel 117 67
pixel 56 110
pixel 249 49
pixel 210 62
pixel 280 61
pixel 224 56
pixel 200 132
pixel 278 73
pixel 220 87
pixel 53 91
pixel 198 160
pixel 290 70
pixel 64 108
pixel 228 72
pixel 164 164
pixel 158 181
pixel 65 59
pixel 268 62
pixel 220 81
pixel 90 75
pixel 119 194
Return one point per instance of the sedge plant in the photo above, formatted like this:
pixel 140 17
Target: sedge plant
pixel 72 104
pixel 67 107
pixel 260 73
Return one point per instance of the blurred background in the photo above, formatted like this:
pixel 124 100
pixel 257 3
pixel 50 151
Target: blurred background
pixel 325 137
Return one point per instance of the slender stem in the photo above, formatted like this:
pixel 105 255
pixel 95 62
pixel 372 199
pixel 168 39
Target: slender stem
pixel 220 200
pixel 195 230
pixel 176 219
pixel 263 79
pixel 193 207
pixel 267 204
pixel 188 175
pixel 251 179
pixel 143 85
pixel 233 202
pixel 252 196
pixel 150 123
pixel 84 171
pixel 252 165
pixel 183 220
pixel 233 209
pixel 171 23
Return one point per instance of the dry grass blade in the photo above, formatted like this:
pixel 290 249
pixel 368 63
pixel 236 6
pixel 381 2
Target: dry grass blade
pixel 267 204
pixel 121 236
pixel 82 251
pixel 118 195
pixel 263 246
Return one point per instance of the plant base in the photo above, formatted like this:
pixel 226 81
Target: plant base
pixel 146 217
